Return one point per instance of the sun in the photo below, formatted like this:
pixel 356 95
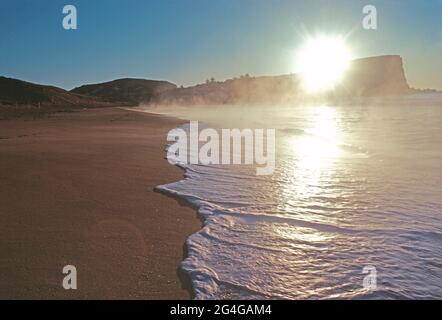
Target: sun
pixel 322 62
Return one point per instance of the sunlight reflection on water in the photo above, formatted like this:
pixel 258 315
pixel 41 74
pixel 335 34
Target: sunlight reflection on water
pixel 348 191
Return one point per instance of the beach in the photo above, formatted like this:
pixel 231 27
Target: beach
pixel 77 188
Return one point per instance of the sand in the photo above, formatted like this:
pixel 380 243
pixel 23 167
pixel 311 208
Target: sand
pixel 76 188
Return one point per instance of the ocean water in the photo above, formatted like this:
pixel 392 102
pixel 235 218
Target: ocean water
pixel 354 186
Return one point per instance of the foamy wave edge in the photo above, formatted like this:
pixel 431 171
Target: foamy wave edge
pixel 204 280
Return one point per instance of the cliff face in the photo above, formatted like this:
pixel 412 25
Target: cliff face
pixel 375 76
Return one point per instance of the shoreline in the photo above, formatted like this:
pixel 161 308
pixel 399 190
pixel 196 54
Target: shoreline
pixel 79 188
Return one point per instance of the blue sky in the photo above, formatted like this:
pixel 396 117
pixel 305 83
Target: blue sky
pixel 188 41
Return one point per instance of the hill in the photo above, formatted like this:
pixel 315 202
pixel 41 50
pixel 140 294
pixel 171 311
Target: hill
pixel 132 91
pixel 19 98
pixel 18 92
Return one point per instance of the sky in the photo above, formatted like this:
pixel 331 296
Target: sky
pixel 189 41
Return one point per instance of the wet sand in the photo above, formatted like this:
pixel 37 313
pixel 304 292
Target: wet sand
pixel 76 189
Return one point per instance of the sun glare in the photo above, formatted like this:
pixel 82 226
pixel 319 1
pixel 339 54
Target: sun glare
pixel 322 62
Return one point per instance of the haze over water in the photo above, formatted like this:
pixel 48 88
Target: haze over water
pixel 354 186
